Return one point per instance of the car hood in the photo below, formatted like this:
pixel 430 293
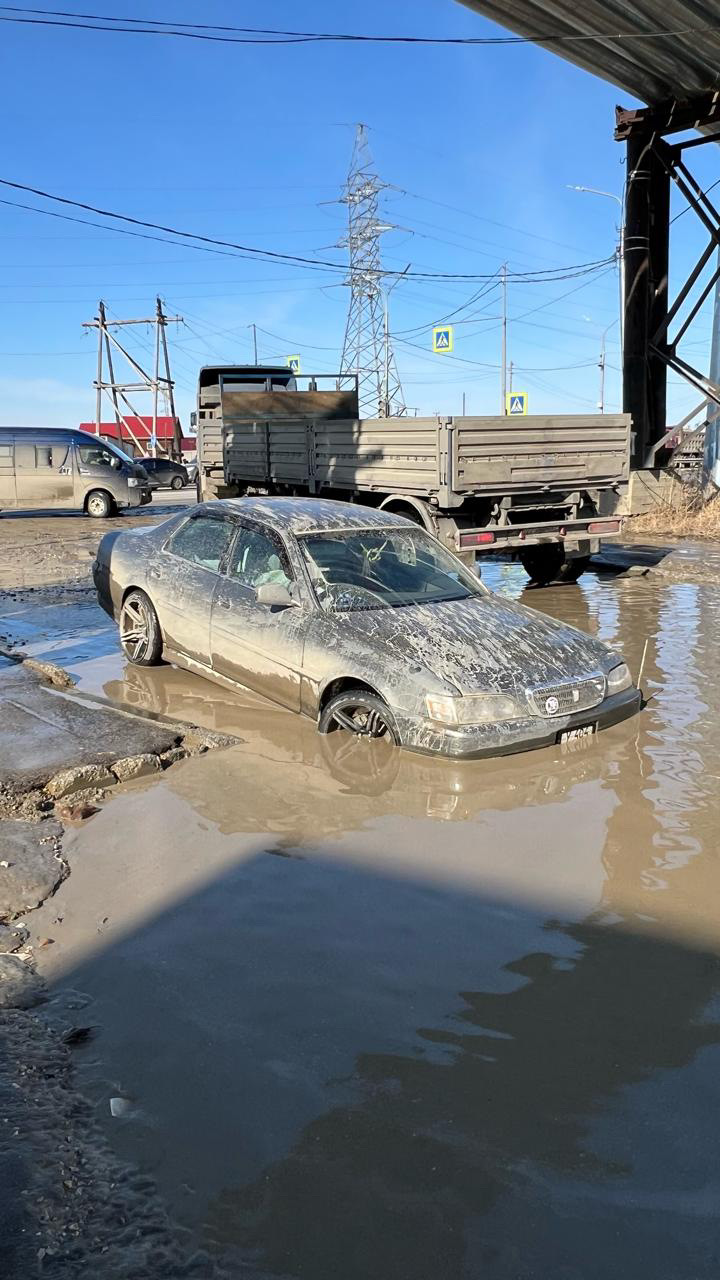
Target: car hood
pixel 483 643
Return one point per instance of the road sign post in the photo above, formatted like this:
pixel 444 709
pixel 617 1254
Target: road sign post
pixel 443 339
pixel 516 403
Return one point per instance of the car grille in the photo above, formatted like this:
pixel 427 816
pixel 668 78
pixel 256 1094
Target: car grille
pixel 563 699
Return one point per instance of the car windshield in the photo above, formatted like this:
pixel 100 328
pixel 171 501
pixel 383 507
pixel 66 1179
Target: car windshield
pixel 382 569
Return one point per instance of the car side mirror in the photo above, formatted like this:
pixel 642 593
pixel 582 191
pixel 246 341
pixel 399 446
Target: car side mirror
pixel 115 462
pixel 274 595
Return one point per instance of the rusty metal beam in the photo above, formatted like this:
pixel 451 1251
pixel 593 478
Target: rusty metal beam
pixel 669 117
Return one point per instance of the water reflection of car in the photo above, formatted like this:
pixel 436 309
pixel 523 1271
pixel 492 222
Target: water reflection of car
pixel 360 620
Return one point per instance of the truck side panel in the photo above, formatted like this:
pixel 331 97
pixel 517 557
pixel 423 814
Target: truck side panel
pixel 382 454
pixel 532 452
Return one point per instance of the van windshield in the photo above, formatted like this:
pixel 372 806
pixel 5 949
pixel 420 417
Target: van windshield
pixel 101 453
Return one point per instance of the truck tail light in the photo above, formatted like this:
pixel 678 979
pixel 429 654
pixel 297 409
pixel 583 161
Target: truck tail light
pixel 476 539
pixel 604 526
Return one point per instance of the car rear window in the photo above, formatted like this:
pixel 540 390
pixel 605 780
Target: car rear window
pixel 202 541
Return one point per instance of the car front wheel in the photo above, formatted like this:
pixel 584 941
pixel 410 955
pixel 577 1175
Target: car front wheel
pixel 360 712
pixel 140 634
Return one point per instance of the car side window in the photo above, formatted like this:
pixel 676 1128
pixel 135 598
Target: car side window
pixel 257 559
pixel 202 541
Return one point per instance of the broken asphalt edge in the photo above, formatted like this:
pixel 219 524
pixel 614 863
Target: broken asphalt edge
pixel 28 807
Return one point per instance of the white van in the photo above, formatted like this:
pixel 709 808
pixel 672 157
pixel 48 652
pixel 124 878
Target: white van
pixel 50 467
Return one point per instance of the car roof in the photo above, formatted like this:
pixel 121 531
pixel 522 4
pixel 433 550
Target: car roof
pixel 310 515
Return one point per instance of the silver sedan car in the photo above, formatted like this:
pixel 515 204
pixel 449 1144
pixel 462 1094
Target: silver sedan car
pixel 359 619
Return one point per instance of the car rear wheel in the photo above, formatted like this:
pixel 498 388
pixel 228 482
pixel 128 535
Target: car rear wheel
pixel 140 634
pixel 99 504
pixel 176 482
pixel 360 712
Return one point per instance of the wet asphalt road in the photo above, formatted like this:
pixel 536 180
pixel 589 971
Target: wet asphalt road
pixel 381 1015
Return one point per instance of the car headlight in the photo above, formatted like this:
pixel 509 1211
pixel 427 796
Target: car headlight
pixel 477 708
pixel 619 678
pixel 133 482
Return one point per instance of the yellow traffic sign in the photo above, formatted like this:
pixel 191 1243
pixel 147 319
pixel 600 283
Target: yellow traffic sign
pixel 294 363
pixel 443 339
pixel 516 402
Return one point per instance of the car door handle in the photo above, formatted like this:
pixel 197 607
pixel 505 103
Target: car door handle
pixel 224 603
pixel 154 572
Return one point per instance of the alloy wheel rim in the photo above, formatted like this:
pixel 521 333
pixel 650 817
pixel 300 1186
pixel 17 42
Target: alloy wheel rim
pixel 96 504
pixel 366 722
pixel 134 630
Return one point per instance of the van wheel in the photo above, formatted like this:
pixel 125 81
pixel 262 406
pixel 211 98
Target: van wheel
pixel 99 504
pixel 140 634
pixel 361 712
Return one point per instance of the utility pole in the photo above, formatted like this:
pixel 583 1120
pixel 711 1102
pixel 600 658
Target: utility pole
pixel 156 374
pixel 254 329
pixel 368 360
pixel 155 383
pixel 463 404
pixel 510 377
pixel 503 374
pixel 601 366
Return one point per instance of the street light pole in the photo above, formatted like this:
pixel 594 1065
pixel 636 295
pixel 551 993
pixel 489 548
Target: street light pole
pixel 620 248
pixel 602 363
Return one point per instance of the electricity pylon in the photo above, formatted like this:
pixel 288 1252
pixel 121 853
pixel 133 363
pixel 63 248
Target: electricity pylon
pixel 367 348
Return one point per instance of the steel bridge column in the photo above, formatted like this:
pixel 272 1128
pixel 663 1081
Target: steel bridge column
pixel 659 197
pixel 646 241
pixel 636 265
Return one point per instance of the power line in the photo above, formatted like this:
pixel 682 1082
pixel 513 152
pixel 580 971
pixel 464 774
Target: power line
pixel 481 293
pixel 269 36
pixel 254 253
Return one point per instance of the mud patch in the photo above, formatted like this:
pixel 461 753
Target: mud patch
pixel 72 1210
pixel 31 867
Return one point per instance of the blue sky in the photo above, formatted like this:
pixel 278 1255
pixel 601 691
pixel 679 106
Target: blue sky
pixel 253 144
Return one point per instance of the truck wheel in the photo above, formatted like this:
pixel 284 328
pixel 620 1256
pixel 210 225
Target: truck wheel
pixel 98 504
pixel 571 570
pixel 543 564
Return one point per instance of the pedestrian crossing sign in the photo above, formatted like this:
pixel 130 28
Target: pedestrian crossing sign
pixel 443 339
pixel 294 363
pixel 516 402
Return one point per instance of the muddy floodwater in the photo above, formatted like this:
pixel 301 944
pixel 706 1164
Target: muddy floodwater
pixel 375 1015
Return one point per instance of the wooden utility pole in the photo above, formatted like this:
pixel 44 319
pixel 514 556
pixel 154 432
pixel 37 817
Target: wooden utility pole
pixel 155 383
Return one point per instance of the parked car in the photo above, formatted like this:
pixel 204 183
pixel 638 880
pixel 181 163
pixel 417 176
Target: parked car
pixel 165 473
pixel 359 619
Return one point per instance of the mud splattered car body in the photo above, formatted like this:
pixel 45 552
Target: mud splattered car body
pixel 314 603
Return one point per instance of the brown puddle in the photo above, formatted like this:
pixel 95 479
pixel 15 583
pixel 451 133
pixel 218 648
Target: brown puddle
pixel 383 1015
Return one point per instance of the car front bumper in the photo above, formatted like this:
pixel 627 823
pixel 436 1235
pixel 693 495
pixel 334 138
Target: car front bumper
pixel 507 737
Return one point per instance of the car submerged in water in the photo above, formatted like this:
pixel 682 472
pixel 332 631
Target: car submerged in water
pixel 359 619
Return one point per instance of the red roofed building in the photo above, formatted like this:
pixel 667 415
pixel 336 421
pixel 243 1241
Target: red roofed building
pixel 134 434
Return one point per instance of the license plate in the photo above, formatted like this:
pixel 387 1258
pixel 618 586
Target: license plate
pixel 569 737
